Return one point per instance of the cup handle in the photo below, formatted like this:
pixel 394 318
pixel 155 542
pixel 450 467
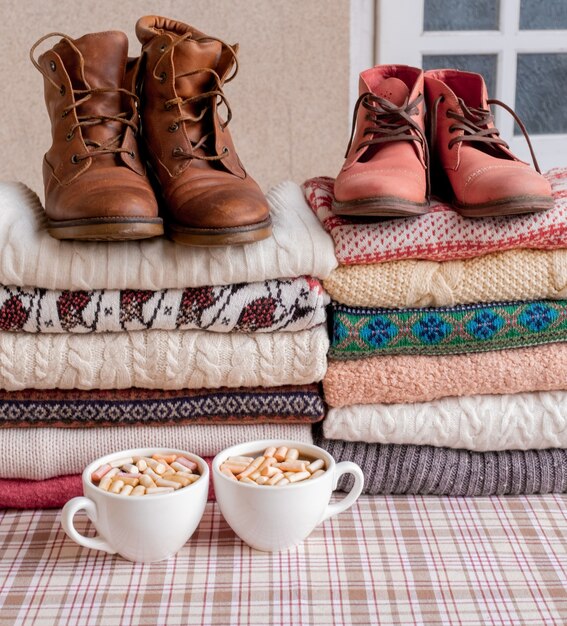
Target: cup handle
pixel 345 467
pixel 67 515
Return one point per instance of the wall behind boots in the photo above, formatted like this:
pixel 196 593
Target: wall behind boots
pixel 289 100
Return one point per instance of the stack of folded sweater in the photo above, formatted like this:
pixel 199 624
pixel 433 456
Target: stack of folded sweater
pixel 448 358
pixel 109 346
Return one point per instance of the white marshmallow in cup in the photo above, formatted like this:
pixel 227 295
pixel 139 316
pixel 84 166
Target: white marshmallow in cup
pixel 271 518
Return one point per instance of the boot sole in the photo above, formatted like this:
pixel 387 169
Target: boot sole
pixel 219 236
pixel 106 229
pixel 380 207
pixel 518 205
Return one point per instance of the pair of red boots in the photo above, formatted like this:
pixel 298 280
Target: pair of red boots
pixel 397 152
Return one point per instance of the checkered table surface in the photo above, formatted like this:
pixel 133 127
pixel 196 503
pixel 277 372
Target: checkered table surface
pixel 389 560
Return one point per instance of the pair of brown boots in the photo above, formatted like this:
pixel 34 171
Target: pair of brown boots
pixel 414 130
pixel 96 183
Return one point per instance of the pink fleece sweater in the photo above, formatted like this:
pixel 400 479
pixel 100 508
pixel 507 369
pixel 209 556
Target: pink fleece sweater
pixel 397 379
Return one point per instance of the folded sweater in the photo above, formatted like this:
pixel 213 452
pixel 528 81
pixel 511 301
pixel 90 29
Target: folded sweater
pixel 520 421
pixel 122 407
pixel 39 453
pixel 273 305
pixel 403 379
pixel 442 234
pixel 299 246
pixel 359 332
pixel 427 470
pixel 161 359
pixel 502 276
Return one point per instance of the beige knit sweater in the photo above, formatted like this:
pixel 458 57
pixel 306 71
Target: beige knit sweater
pixel 30 257
pixel 39 453
pixel 160 359
pixel 512 275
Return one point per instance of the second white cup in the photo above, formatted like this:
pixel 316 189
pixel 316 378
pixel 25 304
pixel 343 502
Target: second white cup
pixel 277 518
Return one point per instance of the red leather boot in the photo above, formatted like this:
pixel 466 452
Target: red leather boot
pixel 478 172
pixel 385 172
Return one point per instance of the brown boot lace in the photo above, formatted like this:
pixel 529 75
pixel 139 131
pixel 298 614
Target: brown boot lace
pixel 391 123
pixel 206 96
pixel 108 147
pixel 475 124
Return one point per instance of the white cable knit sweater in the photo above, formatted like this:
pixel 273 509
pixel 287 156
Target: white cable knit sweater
pixel 160 359
pixel 30 257
pixel 39 453
pixel 522 421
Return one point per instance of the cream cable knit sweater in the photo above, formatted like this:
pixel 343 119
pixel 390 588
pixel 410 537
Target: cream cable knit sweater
pixel 522 421
pixel 30 257
pixel 39 453
pixel 512 275
pixel 160 359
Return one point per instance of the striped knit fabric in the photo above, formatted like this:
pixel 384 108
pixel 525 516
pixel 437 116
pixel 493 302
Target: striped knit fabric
pixel 427 470
pixel 361 332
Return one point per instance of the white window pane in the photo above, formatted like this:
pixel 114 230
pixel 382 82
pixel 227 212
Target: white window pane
pixel 543 15
pixel 541 93
pixel 461 15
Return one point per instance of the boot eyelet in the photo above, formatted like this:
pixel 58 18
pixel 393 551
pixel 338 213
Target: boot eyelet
pixel 62 90
pixel 75 159
pixel 225 150
pixel 176 151
pixel 69 136
pixel 168 106
pixel 52 66
pixel 162 48
pixel 452 129
pixel 64 114
pixel 162 77
pixel 173 127
pixel 132 154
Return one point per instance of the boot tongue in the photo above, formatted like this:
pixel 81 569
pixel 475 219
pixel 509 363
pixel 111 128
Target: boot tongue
pixel 99 62
pixel 394 90
pixel 191 56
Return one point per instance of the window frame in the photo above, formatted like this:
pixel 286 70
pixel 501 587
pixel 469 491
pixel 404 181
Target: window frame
pixel 388 32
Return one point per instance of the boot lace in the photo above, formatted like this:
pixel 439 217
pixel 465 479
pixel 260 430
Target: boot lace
pixel 477 126
pixel 80 96
pixel 390 123
pixel 205 98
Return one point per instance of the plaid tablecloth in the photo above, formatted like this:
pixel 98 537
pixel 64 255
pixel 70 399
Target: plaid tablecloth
pixel 389 560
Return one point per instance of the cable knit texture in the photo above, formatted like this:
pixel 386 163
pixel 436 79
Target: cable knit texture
pixel 520 421
pixel 426 470
pixel 402 379
pixel 442 234
pixel 272 305
pixel 512 275
pixel 30 257
pixel 160 359
pixel 40 453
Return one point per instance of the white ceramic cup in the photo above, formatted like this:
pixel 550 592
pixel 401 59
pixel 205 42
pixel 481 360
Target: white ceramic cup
pixel 140 528
pixel 276 518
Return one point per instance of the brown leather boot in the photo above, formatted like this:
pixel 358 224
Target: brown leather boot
pixel 208 197
pixel 385 172
pixel 479 174
pixel 95 182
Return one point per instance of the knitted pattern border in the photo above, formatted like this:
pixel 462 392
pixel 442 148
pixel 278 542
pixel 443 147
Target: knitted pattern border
pixel 79 409
pixel 361 332
pixel 273 305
